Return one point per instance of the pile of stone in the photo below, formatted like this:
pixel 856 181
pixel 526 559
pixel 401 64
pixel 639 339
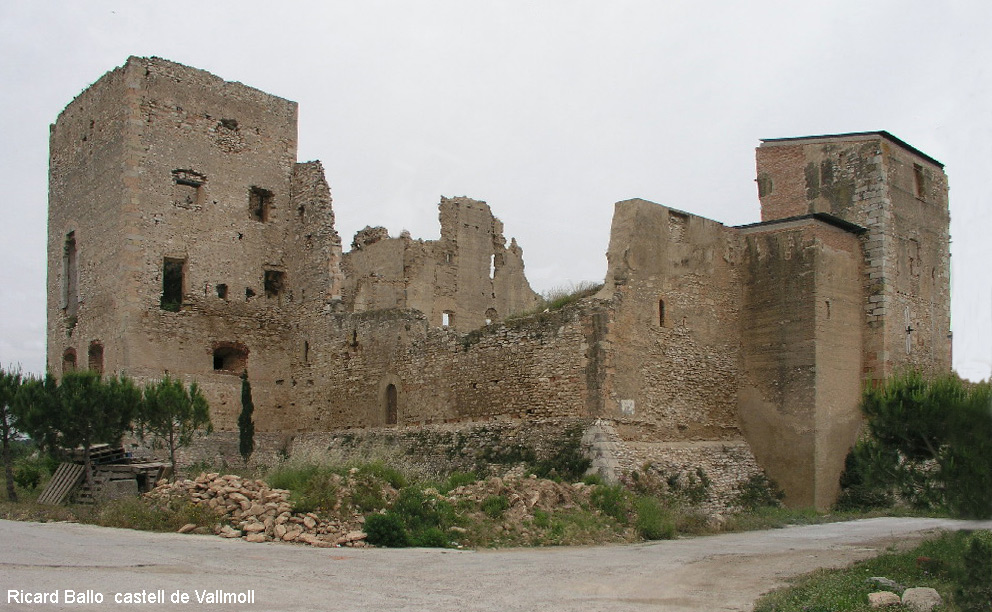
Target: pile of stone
pixel 524 494
pixel 917 599
pixel 250 509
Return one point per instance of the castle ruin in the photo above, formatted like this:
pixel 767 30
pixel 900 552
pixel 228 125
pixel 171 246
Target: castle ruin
pixel 184 237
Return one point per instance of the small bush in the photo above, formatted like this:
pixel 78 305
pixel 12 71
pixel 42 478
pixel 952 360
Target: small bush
pixel 27 475
pixel 612 500
pixel 386 530
pixel 759 491
pixel 495 505
pixel 975 581
pixel 458 479
pixel 653 522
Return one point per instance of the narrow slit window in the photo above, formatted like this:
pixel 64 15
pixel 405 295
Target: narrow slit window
pixel 661 313
pixel 919 181
pixel 392 401
pixel 173 281
pixel 260 204
pixel 70 276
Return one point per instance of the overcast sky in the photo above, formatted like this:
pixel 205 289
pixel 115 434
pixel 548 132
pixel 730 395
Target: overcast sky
pixel 550 111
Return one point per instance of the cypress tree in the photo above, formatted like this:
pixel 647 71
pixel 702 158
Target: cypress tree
pixel 246 426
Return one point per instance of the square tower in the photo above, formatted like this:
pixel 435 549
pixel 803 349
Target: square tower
pixel 899 194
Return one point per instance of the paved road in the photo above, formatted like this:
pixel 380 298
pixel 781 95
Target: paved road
pixel 724 572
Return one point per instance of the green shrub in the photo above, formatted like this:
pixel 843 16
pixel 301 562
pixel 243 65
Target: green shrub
pixel 495 505
pixel 612 500
pixel 758 491
pixel 386 530
pixel 566 463
pixel 975 581
pixel 458 479
pixel 27 475
pixel 653 522
pixel 432 537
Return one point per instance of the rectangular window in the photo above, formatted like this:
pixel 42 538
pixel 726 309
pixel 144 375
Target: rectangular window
pixel 919 181
pixel 259 203
pixel 173 279
pixel 275 282
pixel 187 189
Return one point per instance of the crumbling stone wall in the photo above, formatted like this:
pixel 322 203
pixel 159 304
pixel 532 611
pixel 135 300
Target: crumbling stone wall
pixel 466 279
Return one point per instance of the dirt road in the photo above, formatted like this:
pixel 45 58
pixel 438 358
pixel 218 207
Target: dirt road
pixel 112 569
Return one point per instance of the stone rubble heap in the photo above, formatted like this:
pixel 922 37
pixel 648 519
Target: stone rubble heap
pixel 251 510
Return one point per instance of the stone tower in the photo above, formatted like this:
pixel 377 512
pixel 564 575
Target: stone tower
pixel 181 231
pixel 899 195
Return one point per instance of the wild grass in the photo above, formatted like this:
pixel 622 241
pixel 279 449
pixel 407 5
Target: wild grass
pixel 946 564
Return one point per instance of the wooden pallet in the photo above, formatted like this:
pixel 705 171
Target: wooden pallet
pixel 65 480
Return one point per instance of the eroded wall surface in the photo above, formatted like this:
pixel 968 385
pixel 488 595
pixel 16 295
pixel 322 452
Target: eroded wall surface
pixel 464 280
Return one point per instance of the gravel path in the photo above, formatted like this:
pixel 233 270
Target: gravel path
pixel 723 572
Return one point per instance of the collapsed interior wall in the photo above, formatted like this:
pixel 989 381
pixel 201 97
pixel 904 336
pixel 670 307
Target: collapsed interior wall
pixel 464 280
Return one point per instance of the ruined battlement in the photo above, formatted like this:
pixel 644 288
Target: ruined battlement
pixel 185 237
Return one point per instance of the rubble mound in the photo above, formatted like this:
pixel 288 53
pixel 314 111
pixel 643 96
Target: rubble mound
pixel 257 513
pixel 524 495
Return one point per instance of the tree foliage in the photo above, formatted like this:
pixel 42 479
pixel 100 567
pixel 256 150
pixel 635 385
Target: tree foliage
pixel 10 382
pixel 171 414
pixel 929 442
pixel 93 411
pixel 246 426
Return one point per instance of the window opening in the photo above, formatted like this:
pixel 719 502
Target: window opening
pixel 96 357
pixel 230 358
pixel 661 313
pixel 306 351
pixel 274 283
pixel 492 266
pixel 259 203
pixel 69 360
pixel 249 293
pixel 70 276
pixel 173 273
pixel 392 401
pixel 919 180
pixel 490 316
pixel 447 318
pixel 187 190
pixel 222 291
